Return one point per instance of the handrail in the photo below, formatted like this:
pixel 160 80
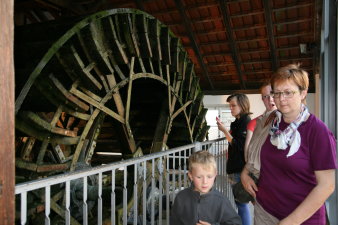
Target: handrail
pixel 168 174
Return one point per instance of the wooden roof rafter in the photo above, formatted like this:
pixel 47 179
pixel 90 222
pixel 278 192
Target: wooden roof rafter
pixel 235 55
pixel 292 6
pixel 268 19
pixel 193 40
pixel 199 5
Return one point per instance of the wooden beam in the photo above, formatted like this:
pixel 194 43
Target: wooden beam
pixel 246 13
pixel 292 21
pixel 7 151
pixel 196 21
pixel 193 40
pixel 249 27
pixel 294 6
pixel 194 6
pixel 231 38
pixel 294 35
pixel 268 19
pixel 222 53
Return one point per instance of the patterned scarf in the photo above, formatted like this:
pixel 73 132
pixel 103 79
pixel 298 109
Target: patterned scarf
pixel 290 136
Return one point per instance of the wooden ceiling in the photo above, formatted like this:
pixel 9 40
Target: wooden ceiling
pixel 235 44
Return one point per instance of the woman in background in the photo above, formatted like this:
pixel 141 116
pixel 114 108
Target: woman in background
pixel 270 106
pixel 240 109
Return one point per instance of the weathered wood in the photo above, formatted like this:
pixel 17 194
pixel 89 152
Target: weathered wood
pixel 66 93
pixel 96 129
pixel 165 45
pixel 126 25
pixel 42 151
pixel 27 148
pixel 88 73
pixel 202 133
pixel 161 135
pixel 154 35
pixel 91 40
pixel 197 125
pixel 44 125
pixel 143 34
pixel 87 76
pixel 98 105
pixel 175 54
pixel 120 81
pixel 115 43
pixel 42 168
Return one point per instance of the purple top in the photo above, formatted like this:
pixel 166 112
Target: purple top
pixel 285 182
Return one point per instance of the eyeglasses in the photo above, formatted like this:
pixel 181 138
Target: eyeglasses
pixel 286 94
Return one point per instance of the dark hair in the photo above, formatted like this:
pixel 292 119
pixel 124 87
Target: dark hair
pixel 242 101
pixel 265 83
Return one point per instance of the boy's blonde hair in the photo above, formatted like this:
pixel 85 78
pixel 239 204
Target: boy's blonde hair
pixel 203 158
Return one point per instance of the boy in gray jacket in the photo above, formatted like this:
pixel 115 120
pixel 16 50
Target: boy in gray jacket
pixel 201 204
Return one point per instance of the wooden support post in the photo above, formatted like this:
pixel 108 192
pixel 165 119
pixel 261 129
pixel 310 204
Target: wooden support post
pixel 7 113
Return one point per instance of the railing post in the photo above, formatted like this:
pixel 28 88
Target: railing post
pixel 166 169
pixel 198 146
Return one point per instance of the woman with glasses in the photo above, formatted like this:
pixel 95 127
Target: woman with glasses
pixel 294 157
pixel 240 109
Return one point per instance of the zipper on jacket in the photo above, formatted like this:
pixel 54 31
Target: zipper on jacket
pixel 198 208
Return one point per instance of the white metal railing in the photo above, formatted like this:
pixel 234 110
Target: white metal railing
pixel 139 190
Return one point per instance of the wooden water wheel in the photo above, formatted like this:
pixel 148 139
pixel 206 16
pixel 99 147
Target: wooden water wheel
pixel 113 82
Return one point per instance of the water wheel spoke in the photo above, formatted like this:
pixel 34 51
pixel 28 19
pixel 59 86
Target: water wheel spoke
pixel 118 83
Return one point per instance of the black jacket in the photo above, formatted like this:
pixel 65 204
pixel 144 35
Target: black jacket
pixel 213 207
pixel 236 159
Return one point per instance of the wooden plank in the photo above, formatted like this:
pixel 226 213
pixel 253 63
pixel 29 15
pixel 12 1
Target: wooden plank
pixel 27 149
pixel 112 38
pixel 140 65
pixel 116 66
pixel 130 87
pixel 150 66
pixel 143 36
pixel 42 152
pixel 126 25
pixel 200 118
pixel 183 61
pixel 175 53
pixel 93 139
pixel 42 124
pixel 83 138
pixel 154 28
pixel 7 150
pixel 161 134
pixel 87 39
pixel 86 69
pixel 66 94
pixel 96 104
pixel 165 45
pixel 202 132
pixel 181 109
pixel 116 95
